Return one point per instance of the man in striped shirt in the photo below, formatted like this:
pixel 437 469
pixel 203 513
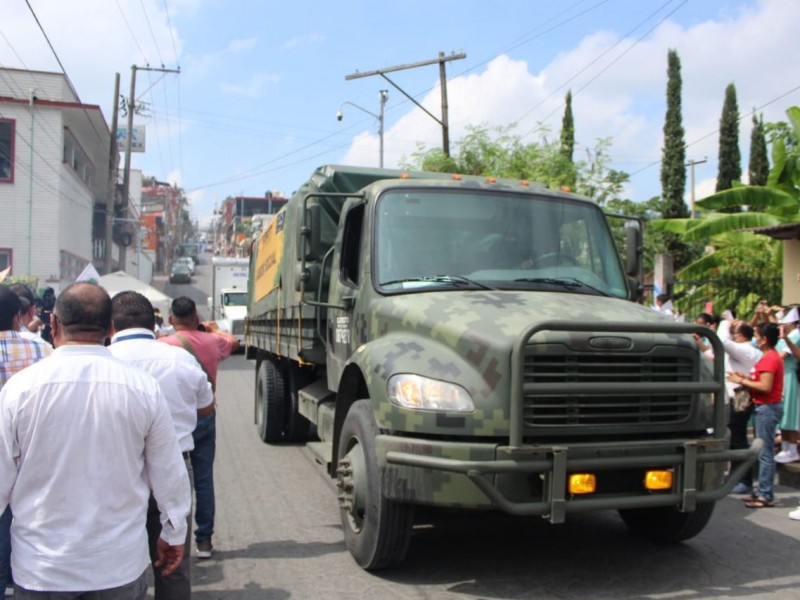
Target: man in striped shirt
pixel 16 353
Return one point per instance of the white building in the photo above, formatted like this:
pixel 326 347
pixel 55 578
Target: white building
pixel 54 177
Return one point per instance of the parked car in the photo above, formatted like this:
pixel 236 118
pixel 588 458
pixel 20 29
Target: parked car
pixel 180 273
pixel 189 262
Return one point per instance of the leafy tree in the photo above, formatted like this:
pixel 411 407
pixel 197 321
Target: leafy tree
pixel 501 153
pixel 758 168
pixel 568 135
pixel 673 162
pixel 730 158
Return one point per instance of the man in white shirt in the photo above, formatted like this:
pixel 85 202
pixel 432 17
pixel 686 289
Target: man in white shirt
pixel 188 393
pixel 83 439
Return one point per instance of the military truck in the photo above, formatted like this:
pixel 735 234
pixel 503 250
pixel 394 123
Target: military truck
pixel 470 343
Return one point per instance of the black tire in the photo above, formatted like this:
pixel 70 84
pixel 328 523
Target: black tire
pixel 270 402
pixel 377 531
pixel 666 524
pixel 297 425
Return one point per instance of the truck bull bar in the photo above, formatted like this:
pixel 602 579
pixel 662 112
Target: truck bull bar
pixel 555 461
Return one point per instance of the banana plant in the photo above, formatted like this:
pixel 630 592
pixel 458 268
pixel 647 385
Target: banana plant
pixel 731 249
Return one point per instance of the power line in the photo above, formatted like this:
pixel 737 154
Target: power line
pixel 171 34
pixel 130 30
pixel 63 70
pixel 597 58
pixel 708 135
pixel 152 35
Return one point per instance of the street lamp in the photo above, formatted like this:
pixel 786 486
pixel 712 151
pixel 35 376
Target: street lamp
pixel 383 97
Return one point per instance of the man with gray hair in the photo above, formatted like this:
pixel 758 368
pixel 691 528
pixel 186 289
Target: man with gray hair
pixel 83 439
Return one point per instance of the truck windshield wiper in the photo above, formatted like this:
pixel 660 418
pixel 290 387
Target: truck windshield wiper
pixel 566 282
pixel 456 280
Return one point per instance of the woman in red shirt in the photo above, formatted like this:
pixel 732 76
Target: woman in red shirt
pixel 765 384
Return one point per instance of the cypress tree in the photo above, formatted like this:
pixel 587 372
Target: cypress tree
pixel 758 168
pixel 730 158
pixel 567 147
pixel 673 162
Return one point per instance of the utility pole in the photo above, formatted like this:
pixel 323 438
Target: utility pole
pixel 691 165
pixel 113 166
pixel 126 173
pixel 441 60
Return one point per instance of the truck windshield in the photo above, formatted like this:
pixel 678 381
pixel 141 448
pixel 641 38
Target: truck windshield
pixel 430 238
pixel 235 299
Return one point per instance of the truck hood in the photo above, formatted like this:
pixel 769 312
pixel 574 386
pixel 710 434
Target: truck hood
pixel 497 318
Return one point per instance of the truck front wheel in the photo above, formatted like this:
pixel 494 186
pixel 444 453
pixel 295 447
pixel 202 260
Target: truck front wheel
pixel 270 394
pixel 666 524
pixel 377 530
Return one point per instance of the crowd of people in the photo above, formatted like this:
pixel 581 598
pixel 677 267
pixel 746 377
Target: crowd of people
pixel 761 364
pixel 117 411
pixel 117 425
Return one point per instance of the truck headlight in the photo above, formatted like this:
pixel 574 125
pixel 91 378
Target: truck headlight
pixel 422 393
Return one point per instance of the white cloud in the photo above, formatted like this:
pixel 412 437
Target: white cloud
pixel 627 101
pixel 303 41
pixel 253 87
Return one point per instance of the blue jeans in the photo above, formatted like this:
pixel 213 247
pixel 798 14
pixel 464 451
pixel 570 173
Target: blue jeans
pixel 205 444
pixel 767 418
pixel 5 549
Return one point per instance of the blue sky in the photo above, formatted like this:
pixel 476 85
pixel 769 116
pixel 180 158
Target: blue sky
pixel 254 108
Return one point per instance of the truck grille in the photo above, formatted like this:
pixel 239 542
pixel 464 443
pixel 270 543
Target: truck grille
pixel 237 327
pixel 612 372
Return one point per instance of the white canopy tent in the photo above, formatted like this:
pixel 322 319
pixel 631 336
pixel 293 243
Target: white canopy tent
pixel 114 283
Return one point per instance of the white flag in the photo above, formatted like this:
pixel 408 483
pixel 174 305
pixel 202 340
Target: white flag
pixel 89 274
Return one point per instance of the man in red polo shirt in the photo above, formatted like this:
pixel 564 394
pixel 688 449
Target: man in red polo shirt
pixel 209 346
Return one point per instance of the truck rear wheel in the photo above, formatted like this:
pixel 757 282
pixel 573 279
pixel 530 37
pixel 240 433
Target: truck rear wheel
pixel 377 530
pixel 667 524
pixel 270 395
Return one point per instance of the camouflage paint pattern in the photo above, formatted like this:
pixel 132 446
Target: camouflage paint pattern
pixel 467 337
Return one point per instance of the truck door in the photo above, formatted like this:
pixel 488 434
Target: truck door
pixel 346 274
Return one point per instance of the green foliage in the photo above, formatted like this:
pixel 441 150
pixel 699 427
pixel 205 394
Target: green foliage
pixel 568 134
pixel 30 280
pixel 758 167
pixel 730 158
pixel 735 254
pixel 500 153
pixel 673 162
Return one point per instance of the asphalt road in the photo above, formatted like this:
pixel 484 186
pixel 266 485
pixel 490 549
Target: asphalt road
pixel 278 536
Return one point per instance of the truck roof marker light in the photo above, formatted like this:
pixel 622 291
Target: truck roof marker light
pixel 658 480
pixel 405 175
pixel 455 177
pixel 491 180
pixel 525 183
pixel 565 188
pixel 582 483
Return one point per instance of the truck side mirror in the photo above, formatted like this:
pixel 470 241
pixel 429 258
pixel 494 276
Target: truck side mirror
pixel 309 243
pixel 633 247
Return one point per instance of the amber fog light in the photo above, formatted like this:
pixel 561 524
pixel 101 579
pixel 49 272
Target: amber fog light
pixel 582 483
pixel 658 480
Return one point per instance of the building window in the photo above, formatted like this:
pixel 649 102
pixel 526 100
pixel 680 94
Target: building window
pixel 5 258
pixel 77 159
pixel 6 151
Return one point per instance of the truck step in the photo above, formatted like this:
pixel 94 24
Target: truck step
pixel 322 452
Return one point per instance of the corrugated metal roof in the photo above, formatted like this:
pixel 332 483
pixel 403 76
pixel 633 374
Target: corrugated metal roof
pixel 786 231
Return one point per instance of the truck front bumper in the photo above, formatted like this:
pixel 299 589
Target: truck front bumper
pixel 532 480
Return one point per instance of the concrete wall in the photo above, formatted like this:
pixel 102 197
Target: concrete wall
pixel 791 272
